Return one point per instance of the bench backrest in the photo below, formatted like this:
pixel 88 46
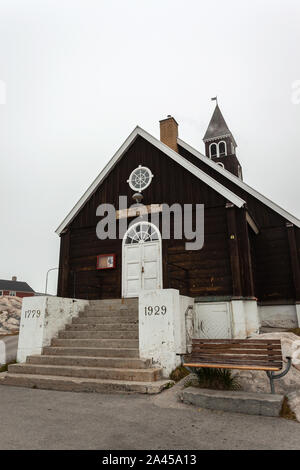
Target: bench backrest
pixel 256 352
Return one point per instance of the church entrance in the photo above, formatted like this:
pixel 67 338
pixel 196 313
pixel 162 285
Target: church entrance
pixel 141 259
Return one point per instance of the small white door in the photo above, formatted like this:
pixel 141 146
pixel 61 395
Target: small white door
pixel 133 271
pixel 142 263
pixel 212 320
pixel 151 258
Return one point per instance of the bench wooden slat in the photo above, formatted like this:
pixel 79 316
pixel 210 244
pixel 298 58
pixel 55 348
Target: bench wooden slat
pixel 231 366
pixel 248 362
pixel 254 352
pixel 230 358
pixel 268 347
pixel 235 354
pixel 239 341
pixel 235 357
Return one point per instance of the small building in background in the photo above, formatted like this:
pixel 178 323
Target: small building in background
pixel 15 288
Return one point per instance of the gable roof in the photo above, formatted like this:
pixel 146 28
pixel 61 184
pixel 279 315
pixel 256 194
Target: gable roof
pixel 230 176
pixel 17 286
pixel 138 131
pixel 217 126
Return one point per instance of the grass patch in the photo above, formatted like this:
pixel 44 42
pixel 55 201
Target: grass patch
pixel 286 411
pixel 296 331
pixel 179 373
pixel 169 385
pixel 4 367
pixel 217 379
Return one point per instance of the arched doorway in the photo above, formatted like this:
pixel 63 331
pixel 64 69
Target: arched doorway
pixel 141 259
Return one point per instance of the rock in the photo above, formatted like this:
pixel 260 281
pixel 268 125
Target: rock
pixel 10 313
pixel 294 402
pixel 190 380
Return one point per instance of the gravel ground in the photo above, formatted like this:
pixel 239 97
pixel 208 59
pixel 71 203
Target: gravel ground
pixel 42 419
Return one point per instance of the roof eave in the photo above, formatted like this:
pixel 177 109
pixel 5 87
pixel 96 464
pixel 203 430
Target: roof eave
pixel 285 214
pixel 138 131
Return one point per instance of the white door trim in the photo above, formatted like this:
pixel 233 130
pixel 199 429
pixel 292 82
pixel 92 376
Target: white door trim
pixel 142 244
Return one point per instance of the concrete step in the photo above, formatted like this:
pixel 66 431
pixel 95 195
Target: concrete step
pixel 103 320
pixel 138 375
pixel 115 302
pixel 103 327
pixel 88 361
pixel 96 343
pixel 83 385
pixel 92 352
pixel 266 404
pixel 88 334
pixel 89 312
pixel 112 307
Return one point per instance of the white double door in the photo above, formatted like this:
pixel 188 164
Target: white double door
pixel 142 267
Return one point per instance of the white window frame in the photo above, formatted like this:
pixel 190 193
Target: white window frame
pixel 12 293
pixel 217 144
pixel 1 292
pixel 240 172
pixel 222 142
pixel 140 167
pixel 210 155
pixel 126 246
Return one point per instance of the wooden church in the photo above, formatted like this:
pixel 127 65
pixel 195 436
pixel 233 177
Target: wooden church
pixel 251 245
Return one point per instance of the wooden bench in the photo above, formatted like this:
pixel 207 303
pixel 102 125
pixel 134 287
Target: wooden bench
pixel 244 354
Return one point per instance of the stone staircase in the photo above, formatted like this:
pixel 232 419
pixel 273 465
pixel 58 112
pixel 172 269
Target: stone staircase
pixel 97 352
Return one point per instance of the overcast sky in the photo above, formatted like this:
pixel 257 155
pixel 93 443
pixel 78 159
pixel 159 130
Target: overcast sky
pixel 81 74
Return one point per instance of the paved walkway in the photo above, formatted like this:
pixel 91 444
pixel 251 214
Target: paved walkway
pixel 42 419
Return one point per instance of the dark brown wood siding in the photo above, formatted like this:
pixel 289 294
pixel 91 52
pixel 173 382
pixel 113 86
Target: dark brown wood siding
pixel 239 263
pixel 206 272
pixel 270 251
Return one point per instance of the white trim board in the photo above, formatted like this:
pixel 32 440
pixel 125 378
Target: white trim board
pixel 286 215
pixel 252 223
pixel 138 131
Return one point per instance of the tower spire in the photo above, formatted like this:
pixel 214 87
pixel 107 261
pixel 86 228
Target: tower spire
pixel 220 145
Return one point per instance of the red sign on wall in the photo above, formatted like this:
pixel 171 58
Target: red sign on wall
pixel 106 261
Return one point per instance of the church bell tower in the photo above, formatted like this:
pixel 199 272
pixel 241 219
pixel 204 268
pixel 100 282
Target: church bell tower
pixel 220 145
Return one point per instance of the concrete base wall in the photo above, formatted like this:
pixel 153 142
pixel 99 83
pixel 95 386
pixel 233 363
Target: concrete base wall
pixel 226 319
pixel 245 318
pixel 8 349
pixel 162 327
pixel 42 318
pixel 280 316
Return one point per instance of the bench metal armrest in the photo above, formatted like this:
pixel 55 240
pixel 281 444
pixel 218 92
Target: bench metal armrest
pixel 273 376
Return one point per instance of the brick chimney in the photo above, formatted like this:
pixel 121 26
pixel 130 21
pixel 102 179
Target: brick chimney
pixel 169 132
pixel 14 278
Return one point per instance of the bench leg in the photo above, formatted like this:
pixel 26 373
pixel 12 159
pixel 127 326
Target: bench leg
pixel 271 379
pixel 182 363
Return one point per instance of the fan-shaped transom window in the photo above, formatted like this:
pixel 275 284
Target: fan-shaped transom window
pixel 141 233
